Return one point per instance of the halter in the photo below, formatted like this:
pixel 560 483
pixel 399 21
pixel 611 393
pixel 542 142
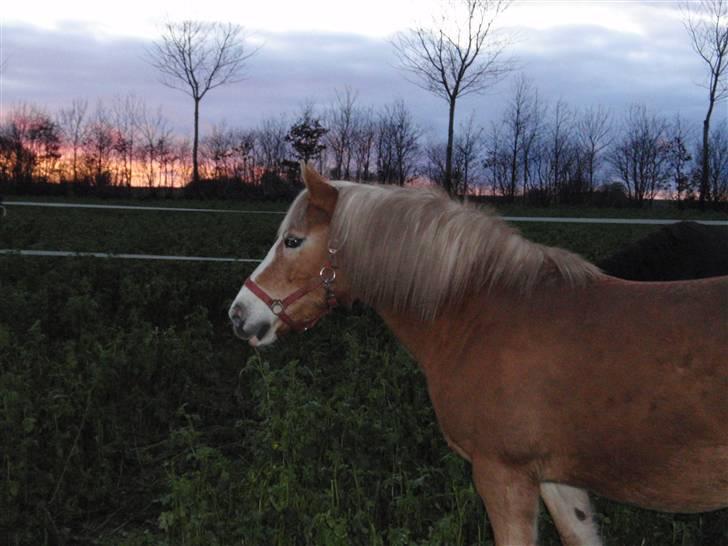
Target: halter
pixel 325 279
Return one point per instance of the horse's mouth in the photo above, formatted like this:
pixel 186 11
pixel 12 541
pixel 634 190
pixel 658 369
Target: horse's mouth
pixel 259 342
pixel 257 336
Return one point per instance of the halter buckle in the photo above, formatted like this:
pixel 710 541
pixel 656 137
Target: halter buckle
pixel 276 306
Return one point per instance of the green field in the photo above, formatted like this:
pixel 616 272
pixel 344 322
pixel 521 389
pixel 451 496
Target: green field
pixel 129 414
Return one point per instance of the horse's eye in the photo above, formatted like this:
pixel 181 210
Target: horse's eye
pixel 292 242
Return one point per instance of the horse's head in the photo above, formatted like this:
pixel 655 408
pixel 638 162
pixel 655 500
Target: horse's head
pixel 297 282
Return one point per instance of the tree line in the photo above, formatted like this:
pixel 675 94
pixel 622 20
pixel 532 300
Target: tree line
pixel 545 153
pixel 126 143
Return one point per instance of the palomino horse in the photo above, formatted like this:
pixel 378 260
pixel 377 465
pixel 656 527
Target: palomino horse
pixel 549 376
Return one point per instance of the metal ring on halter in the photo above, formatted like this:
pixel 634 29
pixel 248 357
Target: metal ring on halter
pixel 276 306
pixel 327 274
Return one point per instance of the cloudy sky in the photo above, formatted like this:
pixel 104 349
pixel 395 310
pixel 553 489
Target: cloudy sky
pixel 598 52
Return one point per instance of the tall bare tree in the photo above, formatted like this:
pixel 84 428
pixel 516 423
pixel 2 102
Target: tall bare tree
pixel 98 146
pixel 707 24
pixel 364 136
pixel 466 155
pixel 127 113
pixel 153 130
pixel 679 158
pixel 272 144
pixel 397 144
pixel 196 57
pixel 593 137
pixel 640 157
pixel 459 54
pixel 521 126
pixel 340 121
pixel 72 121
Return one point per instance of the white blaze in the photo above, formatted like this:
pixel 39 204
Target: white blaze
pixel 257 312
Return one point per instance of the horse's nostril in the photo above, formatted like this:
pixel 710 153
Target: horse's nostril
pixel 237 316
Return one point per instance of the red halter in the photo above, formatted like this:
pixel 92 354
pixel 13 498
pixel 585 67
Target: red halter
pixel 325 278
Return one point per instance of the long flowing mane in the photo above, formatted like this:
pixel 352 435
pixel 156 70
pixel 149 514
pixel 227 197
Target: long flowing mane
pixel 416 249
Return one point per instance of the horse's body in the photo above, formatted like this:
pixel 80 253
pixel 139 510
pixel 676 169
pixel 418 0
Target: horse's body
pixel 549 376
pixel 626 396
pixel 681 251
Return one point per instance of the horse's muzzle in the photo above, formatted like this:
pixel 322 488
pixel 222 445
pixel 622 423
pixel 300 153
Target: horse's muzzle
pixel 242 329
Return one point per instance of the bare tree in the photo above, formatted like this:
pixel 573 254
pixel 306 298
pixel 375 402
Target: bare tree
pixel 640 158
pixel 196 57
pixel 458 55
pixel 679 157
pixel 718 183
pixel 467 149
pixel 707 24
pixel 217 151
pixel 153 129
pixel 72 121
pixel 273 148
pixel 498 162
pixel 593 136
pixel 98 145
pixel 340 120
pixel 521 128
pixel 127 113
pixel 36 138
pixel 397 144
pixel 557 157
pixel 364 137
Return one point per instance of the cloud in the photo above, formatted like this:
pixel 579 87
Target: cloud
pixel 581 64
pixel 51 67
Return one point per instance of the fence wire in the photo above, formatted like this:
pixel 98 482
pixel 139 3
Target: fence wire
pixel 121 256
pixel 127 256
pixel 545 219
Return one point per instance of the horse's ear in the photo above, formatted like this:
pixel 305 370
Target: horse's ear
pixel 321 194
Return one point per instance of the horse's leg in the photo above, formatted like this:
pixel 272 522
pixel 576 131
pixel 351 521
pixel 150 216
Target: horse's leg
pixel 511 500
pixel 571 511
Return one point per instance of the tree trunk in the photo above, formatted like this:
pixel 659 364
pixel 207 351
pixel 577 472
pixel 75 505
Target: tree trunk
pixel 448 154
pixel 705 174
pixel 195 139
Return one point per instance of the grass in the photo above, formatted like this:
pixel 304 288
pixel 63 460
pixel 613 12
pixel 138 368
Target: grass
pixel 129 415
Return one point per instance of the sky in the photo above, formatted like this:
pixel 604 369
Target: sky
pixel 598 52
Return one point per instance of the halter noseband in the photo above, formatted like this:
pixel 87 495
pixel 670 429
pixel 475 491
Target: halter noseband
pixel 325 279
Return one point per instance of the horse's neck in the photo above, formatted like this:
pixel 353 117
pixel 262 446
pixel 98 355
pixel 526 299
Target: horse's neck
pixel 437 345
pixel 419 337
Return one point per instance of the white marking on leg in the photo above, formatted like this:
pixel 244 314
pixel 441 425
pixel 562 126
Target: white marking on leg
pixel 572 513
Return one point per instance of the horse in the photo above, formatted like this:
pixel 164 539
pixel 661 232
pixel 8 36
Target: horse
pixel 551 377
pixel 680 251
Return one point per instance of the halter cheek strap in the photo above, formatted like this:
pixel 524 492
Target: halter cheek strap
pixel 278 307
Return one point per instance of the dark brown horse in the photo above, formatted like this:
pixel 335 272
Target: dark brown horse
pixel 551 377
pixel 680 251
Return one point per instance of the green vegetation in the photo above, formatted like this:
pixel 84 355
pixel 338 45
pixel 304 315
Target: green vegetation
pixel 129 414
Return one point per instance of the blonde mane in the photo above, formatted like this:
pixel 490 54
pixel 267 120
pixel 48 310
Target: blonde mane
pixel 416 249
